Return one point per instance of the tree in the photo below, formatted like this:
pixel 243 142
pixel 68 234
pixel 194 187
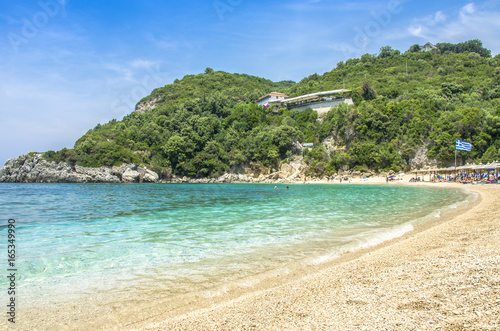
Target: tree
pixel 367 91
pixel 415 48
pixel 386 51
pixel 490 155
pixel 177 150
pixel 468 46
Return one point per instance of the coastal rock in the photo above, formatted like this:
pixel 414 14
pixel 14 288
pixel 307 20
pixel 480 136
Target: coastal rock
pixel 98 175
pixel 131 176
pixel 225 178
pixel 290 171
pixel 148 176
pixel 420 160
pixel 256 170
pixel 32 168
pixel 356 174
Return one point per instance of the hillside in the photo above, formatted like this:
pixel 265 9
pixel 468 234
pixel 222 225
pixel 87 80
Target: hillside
pixel 207 124
pixel 235 87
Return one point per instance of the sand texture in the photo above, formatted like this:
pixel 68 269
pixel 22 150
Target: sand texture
pixel 443 277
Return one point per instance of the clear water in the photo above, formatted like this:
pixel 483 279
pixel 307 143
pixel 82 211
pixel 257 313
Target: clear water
pixel 78 240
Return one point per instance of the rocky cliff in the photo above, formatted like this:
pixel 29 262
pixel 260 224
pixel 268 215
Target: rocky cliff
pixel 32 168
pixel 147 105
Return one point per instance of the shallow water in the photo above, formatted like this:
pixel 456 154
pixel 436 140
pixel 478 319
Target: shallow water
pixel 78 240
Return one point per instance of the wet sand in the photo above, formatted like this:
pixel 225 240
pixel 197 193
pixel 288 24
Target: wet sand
pixel 442 276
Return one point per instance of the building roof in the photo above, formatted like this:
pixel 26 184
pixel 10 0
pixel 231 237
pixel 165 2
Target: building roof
pixel 314 95
pixel 430 45
pixel 273 94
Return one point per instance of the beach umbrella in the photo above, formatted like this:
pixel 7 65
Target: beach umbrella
pixel 480 166
pixel 493 165
pixel 489 166
pixel 466 166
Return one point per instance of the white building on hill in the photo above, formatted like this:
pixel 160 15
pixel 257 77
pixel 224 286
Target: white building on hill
pixel 272 97
pixel 322 102
pixel 428 47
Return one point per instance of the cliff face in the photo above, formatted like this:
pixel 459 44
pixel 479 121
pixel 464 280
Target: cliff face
pixel 147 105
pixel 421 160
pixel 33 169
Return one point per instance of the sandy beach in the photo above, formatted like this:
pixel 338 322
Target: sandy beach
pixel 442 276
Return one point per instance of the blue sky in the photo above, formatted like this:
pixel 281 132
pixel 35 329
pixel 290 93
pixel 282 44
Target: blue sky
pixel 67 65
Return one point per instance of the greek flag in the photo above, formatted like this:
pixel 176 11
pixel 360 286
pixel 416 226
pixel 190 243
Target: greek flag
pixel 463 146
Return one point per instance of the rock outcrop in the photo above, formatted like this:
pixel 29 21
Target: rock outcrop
pixel 421 160
pixel 147 105
pixel 32 168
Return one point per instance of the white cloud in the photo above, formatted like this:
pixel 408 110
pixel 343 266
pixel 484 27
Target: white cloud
pixel 439 17
pixel 468 9
pixel 141 63
pixel 469 22
pixel 415 31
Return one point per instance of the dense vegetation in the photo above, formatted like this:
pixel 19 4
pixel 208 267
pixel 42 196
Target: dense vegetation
pixel 233 88
pixel 208 124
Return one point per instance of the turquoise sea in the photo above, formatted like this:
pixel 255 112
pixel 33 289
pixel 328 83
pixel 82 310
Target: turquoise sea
pixel 76 240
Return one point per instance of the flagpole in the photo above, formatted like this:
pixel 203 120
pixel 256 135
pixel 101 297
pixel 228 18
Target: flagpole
pixel 456 174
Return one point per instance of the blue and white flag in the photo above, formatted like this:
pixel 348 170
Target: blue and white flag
pixel 463 146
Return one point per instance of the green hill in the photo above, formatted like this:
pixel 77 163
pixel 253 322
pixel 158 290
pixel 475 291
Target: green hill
pixel 205 125
pixel 233 88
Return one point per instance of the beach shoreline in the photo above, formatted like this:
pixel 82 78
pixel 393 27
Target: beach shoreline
pixel 284 293
pixel 442 275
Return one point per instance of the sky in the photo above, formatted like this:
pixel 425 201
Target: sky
pixel 67 65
